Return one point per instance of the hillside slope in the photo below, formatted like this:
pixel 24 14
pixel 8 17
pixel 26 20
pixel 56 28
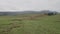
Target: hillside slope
pixel 41 25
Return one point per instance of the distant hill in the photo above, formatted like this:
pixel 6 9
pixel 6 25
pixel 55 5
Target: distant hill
pixel 25 12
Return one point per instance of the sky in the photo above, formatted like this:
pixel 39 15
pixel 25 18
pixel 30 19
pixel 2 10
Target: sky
pixel 21 5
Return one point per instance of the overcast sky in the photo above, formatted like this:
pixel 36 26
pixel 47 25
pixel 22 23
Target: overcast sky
pixel 30 5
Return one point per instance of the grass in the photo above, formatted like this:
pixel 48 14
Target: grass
pixel 40 25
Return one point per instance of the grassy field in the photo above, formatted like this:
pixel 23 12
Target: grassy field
pixel 38 25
